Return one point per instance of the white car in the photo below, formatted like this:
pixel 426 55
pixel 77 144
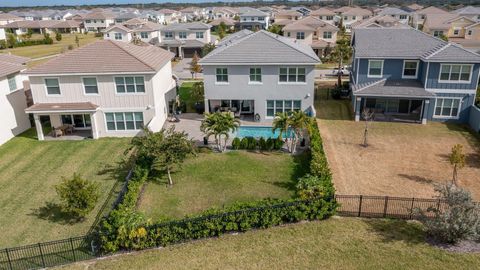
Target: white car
pixel 344 70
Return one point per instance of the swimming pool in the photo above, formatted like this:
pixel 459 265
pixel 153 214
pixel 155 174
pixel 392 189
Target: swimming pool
pixel 257 132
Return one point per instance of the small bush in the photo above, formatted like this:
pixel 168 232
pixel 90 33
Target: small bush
pixel 58 36
pixel 77 195
pixel 98 34
pixel 70 47
pixel 311 187
pixel 252 143
pixel 236 143
pixel 244 143
pixel 262 144
pixel 278 144
pixel 269 144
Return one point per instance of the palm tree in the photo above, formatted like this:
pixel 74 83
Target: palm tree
pixel 299 121
pixel 219 125
pixel 282 123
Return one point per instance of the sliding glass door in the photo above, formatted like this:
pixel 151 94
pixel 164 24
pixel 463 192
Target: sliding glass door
pixel 80 121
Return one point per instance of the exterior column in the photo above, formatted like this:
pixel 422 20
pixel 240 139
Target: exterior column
pixel 38 127
pixel 207 107
pixel 93 121
pixel 358 103
pixel 425 111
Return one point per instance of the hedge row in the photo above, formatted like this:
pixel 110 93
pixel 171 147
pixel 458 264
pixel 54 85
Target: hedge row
pixel 250 143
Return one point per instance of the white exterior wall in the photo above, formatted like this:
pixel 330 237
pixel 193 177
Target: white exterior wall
pixel 12 109
pixel 239 88
pixel 96 24
pixel 191 35
pixel 2 34
pixel 108 100
pixel 126 37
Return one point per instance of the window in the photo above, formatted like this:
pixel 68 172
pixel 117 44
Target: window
pixel 255 75
pixel 455 73
pixel 320 17
pixel 329 18
pixel 447 107
pixel 12 83
pixel 144 34
pixel 118 36
pixel 79 120
pixel 222 75
pixel 354 17
pixel 124 121
pixel 88 21
pixel 345 18
pixel 403 17
pixel 182 35
pixel 130 85
pixel 90 85
pixel 53 87
pixel 365 17
pixel 437 33
pixel 168 34
pixel 292 74
pixel 375 68
pixel 327 35
pixel 288 34
pixel 410 69
pixel 199 34
pixel 422 17
pixel 456 32
pixel 280 106
pixel 300 35
pixel 108 35
pixel 260 18
pixel 469 32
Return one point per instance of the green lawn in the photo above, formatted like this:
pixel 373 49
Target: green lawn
pixel 29 169
pixel 337 243
pixel 55 48
pixel 220 179
pixel 185 95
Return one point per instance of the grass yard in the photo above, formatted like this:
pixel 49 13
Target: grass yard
pixel 402 159
pixel 57 47
pixel 337 243
pixel 184 92
pixel 29 169
pixel 212 179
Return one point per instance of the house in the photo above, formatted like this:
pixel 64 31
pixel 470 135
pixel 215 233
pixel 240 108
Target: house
pixel 379 21
pixel 255 84
pixel 420 15
pixel 253 19
pixel 350 15
pixel 154 16
pixel 171 15
pixel 184 39
pixel 6 18
pixel 324 14
pixel 104 89
pixel 98 20
pixel 314 32
pixel 291 15
pixel 408 75
pixel 415 7
pixel 401 15
pixel 13 101
pixel 221 12
pixel 145 31
pixel 468 11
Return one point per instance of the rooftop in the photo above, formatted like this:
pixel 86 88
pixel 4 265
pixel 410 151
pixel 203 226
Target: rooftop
pixel 392 88
pixel 10 64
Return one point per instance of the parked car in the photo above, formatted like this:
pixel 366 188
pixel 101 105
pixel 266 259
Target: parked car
pixel 344 70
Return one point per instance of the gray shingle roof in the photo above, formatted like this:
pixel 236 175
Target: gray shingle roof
pixel 262 47
pixel 235 36
pixel 407 44
pixel 393 11
pixel 186 26
pixel 392 88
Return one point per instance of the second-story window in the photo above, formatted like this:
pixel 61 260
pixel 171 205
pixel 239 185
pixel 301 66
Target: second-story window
pixel 375 68
pixel 12 83
pixel 256 75
pixel 199 34
pixel 410 69
pixel 118 36
pixel 403 17
pixel 53 87
pixel 182 35
pixel 222 75
pixel 143 35
pixel 292 74
pixel 455 73
pixel 300 35
pixel 329 18
pixel 90 85
pixel 130 85
pixel 260 19
pixel 88 21
pixel 168 34
pixel 327 35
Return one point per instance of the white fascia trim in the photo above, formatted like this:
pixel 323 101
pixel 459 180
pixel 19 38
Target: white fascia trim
pixel 88 74
pixel 452 91
pixel 61 111
pixel 258 64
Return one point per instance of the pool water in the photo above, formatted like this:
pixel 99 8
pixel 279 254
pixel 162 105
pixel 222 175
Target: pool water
pixel 257 132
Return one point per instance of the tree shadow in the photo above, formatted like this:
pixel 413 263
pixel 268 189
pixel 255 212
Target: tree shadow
pixel 53 212
pixel 393 230
pixel 471 159
pixel 300 168
pixel 416 178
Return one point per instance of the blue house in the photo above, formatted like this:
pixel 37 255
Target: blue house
pixel 407 75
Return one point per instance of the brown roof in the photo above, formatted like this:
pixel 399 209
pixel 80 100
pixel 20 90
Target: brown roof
pixel 5 57
pixel 322 12
pixel 9 17
pixel 356 11
pixel 99 15
pixel 431 10
pixel 61 107
pixel 31 24
pixel 134 21
pixel 10 64
pixel 309 23
pixel 439 21
pixel 67 24
pixel 226 21
pixel 106 56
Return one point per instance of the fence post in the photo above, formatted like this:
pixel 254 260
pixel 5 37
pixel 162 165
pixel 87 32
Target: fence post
pixel 73 250
pixel 360 205
pixel 8 259
pixel 385 207
pixel 41 254
pixel 438 205
pixel 411 208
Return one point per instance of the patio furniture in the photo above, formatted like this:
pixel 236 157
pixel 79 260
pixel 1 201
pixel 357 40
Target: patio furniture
pixel 57 132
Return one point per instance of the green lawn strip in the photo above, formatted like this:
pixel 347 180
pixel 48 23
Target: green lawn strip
pixel 215 180
pixel 336 243
pixel 185 95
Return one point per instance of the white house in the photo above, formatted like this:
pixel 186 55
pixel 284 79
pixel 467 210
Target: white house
pixel 13 101
pixel 184 39
pixel 133 28
pixel 255 84
pixel 104 89
pixel 98 20
pixel 253 19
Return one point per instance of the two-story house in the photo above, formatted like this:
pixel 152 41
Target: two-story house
pixel 98 20
pixel 253 19
pixel 104 89
pixel 407 75
pixel 314 32
pixel 324 14
pixel 133 28
pixel 184 39
pixel 6 18
pixel 420 15
pixel 13 101
pixel 350 15
pixel 401 15
pixel 259 75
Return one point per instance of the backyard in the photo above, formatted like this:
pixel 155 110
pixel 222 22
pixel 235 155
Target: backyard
pixel 337 243
pixel 29 170
pixel 214 180
pixel 401 160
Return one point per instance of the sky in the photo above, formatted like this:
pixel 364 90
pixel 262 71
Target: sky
pixel 16 3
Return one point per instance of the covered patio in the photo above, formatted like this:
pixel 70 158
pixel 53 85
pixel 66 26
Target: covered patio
pixel 64 121
pixel 243 109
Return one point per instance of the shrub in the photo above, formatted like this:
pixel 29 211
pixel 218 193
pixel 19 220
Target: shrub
pixel 312 187
pixel 269 144
pixel 98 35
pixel 236 143
pixel 252 143
pixel 70 47
pixel 262 144
pixel 58 36
pixel 278 144
pixel 3 44
pixel 244 143
pixel 77 195
pixel 47 39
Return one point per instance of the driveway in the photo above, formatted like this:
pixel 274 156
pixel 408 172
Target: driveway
pixel 182 70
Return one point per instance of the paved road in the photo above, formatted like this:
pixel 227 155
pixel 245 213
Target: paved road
pixel 182 70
